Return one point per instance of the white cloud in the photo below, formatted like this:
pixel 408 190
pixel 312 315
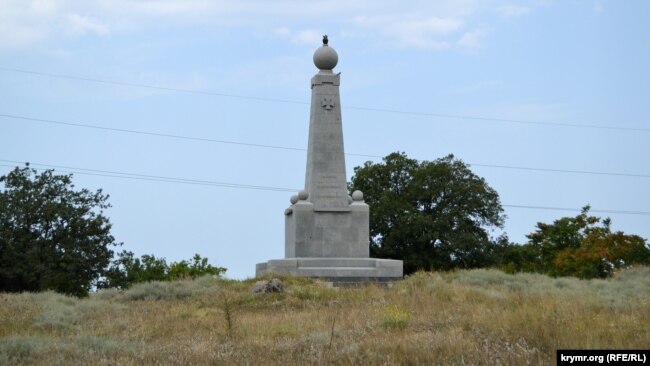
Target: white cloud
pixel 431 25
pixel 283 31
pixel 308 36
pixel 473 40
pixel 17 35
pixel 418 24
pixel 15 19
pixel 305 36
pixel 477 86
pixel 598 8
pixel 43 6
pixel 513 11
pixel 412 31
pixel 80 25
pixel 59 54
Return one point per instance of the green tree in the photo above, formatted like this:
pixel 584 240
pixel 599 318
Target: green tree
pixel 127 270
pixel 431 214
pixel 584 246
pixel 513 258
pixel 195 267
pixel 52 237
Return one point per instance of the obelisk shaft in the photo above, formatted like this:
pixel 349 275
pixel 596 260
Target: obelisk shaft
pixel 325 179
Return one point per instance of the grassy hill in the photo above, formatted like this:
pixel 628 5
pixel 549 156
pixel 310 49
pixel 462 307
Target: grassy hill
pixel 464 317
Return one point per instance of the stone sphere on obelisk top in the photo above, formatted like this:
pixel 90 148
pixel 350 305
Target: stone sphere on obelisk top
pixel 325 58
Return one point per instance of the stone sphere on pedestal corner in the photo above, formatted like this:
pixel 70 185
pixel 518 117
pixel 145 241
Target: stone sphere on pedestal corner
pixel 325 58
pixel 357 196
pixel 303 195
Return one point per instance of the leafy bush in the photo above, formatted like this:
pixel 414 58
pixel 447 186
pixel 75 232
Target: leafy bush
pixel 58 311
pixel 127 270
pixel 315 291
pixel 101 345
pixel 394 317
pixel 26 349
pixel 15 348
pixel 582 246
pixel 166 290
pixel 157 290
pixel 195 267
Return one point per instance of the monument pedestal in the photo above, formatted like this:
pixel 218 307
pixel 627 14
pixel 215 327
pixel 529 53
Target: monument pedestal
pixel 347 270
pixel 331 245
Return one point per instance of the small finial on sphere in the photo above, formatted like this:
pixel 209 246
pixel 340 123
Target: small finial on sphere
pixel 325 57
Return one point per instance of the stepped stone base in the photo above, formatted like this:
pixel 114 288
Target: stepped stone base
pixel 336 269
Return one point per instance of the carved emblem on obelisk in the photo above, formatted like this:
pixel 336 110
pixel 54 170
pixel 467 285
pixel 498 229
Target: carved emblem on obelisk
pixel 328 103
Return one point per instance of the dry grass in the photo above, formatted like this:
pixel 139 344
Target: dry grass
pixel 480 317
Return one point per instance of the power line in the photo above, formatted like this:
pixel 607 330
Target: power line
pixel 203 139
pixel 147 133
pixel 137 85
pixel 361 108
pixel 561 170
pixel 624 212
pixel 155 178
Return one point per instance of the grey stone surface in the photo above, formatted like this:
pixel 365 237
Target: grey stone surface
pixel 325 174
pixel 311 233
pixel 357 196
pixel 303 195
pixel 326 230
pixel 347 269
pixel 272 285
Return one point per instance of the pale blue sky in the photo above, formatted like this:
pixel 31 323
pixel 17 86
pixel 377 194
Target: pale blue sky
pixel 558 62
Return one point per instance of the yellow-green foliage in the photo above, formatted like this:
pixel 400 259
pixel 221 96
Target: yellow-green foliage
pixel 394 317
pixel 464 317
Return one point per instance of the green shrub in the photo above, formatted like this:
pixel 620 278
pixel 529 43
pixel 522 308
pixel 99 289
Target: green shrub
pixel 106 294
pixel 27 349
pixel 128 270
pixel 15 348
pixel 163 290
pixel 158 290
pixel 100 345
pixel 394 317
pixel 194 268
pixel 314 292
pixel 58 311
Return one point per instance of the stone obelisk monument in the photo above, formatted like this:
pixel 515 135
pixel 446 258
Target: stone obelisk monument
pixel 327 231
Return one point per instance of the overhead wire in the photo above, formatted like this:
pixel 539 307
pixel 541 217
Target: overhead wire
pixel 275 100
pixel 266 146
pixel 361 108
pixel 156 178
